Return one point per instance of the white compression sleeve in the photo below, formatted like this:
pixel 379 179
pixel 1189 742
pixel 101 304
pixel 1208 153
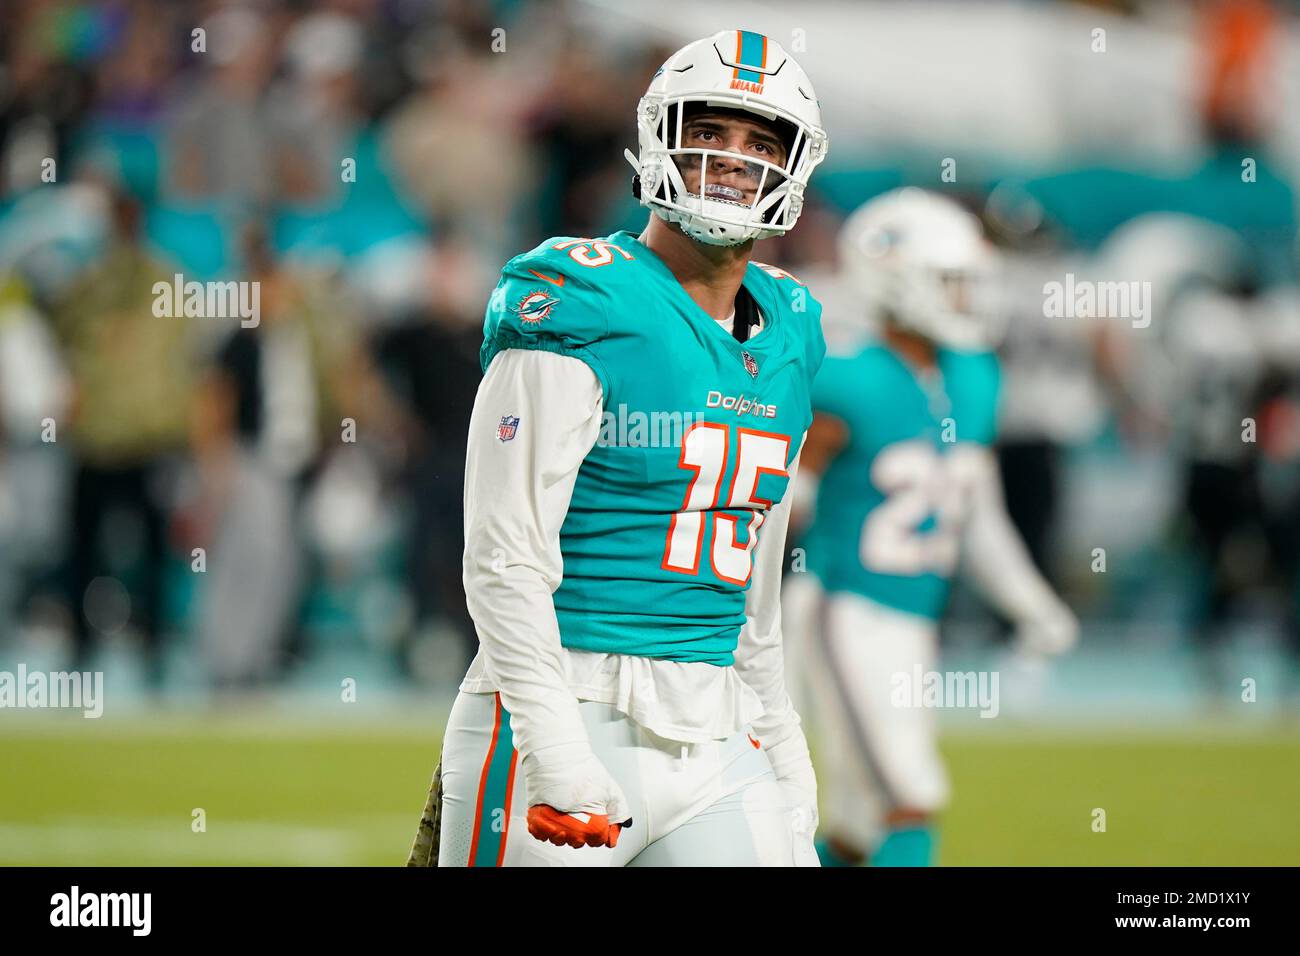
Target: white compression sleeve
pixel 760 659
pixel 993 555
pixel 517 494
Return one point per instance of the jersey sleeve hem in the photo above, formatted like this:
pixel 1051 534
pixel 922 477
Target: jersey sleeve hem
pixel 504 340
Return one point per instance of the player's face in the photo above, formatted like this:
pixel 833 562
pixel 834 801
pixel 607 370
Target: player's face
pixel 729 177
pixel 959 290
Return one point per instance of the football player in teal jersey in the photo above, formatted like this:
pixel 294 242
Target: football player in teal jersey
pixel 908 488
pixel 630 455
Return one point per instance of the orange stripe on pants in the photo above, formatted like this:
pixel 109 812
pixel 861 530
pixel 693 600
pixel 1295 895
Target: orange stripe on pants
pixel 483 779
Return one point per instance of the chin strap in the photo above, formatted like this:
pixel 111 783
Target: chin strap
pixel 636 177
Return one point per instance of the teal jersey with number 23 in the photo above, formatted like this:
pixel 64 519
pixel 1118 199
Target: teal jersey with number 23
pixel 891 505
pixel 697 437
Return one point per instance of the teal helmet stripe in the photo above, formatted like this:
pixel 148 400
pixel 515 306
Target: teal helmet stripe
pixel 752 52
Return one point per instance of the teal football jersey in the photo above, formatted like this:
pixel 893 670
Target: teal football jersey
pixel 890 507
pixel 697 437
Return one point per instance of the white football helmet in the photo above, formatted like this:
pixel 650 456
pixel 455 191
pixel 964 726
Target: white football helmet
pixel 921 260
pixel 731 70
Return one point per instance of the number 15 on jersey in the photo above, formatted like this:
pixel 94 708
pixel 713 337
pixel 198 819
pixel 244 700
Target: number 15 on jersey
pixel 706 447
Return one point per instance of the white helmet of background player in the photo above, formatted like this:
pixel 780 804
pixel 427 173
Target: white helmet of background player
pixel 921 261
pixel 732 70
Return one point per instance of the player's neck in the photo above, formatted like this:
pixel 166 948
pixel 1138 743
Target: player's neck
pixel 916 350
pixel 711 275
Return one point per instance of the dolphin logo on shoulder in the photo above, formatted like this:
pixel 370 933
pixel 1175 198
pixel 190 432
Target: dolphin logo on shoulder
pixel 535 306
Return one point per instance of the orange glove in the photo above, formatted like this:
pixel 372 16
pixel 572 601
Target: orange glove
pixel 548 824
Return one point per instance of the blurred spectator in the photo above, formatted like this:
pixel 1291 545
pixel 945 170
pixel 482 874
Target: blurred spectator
pixel 132 385
pixel 582 121
pixel 44 91
pixel 432 360
pixel 33 391
pixel 1051 398
pixel 220 133
pixel 276 394
pixel 1238 40
pixel 314 113
pixel 459 147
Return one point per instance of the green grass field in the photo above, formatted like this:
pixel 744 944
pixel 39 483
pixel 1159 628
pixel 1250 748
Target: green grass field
pixel 1171 799
pixel 78 792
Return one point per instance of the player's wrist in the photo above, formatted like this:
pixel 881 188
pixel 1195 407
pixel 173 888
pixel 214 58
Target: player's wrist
pixel 556 755
pixel 789 756
pixel 792 765
pixel 570 778
pixel 543 716
pixel 1052 629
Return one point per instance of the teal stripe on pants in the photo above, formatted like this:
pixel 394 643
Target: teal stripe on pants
pixel 495 816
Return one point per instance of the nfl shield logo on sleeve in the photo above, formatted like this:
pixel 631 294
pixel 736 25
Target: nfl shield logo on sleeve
pixel 751 366
pixel 506 430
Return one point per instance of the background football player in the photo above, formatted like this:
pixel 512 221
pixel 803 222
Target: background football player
pixel 908 488
pixel 628 703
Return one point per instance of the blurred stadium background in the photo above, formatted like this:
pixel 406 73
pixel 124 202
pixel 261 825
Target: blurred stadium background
pixel 373 163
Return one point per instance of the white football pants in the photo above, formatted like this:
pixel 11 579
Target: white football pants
pixel 709 804
pixel 844 656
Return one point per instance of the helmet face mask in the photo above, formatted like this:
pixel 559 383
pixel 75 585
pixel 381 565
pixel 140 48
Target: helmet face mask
pixel 691 185
pixel 737 179
pixel 950 307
